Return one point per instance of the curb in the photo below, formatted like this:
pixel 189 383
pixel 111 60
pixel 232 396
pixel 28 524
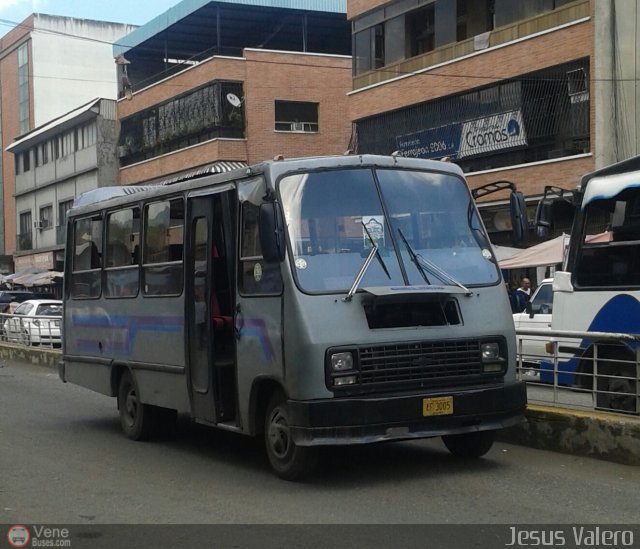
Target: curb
pixel 600 435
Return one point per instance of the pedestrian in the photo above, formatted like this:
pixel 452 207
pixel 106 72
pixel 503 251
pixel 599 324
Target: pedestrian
pixel 513 300
pixel 523 293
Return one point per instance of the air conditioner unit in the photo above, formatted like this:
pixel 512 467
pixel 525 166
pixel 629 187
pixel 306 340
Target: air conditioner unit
pixel 297 126
pixel 41 224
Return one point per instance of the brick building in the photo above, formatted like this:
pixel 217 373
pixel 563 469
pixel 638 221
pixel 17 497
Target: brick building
pixel 533 92
pixel 214 84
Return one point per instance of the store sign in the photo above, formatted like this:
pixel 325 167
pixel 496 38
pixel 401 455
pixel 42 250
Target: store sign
pixel 471 138
pixel 431 143
pixel 43 261
pixel 493 133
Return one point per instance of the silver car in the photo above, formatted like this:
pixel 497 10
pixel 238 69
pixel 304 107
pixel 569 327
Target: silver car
pixel 35 322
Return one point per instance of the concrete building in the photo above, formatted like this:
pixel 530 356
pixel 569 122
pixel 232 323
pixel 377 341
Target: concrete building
pixel 213 84
pixel 49 66
pixel 536 92
pixel 55 163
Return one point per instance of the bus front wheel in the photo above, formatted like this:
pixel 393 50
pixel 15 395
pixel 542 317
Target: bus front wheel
pixel 617 382
pixel 139 421
pixel 469 445
pixel 288 460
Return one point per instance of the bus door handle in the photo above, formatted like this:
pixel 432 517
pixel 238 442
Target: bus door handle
pixel 239 323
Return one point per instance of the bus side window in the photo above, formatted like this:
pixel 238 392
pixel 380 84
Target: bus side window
pixel 122 275
pixel 257 277
pixel 162 253
pixel 87 258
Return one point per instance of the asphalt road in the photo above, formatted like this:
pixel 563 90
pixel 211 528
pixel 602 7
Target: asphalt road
pixel 63 460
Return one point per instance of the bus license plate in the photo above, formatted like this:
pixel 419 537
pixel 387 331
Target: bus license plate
pixel 439 406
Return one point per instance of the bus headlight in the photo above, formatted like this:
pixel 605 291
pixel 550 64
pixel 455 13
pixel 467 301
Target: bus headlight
pixel 490 352
pixel 492 362
pixel 341 362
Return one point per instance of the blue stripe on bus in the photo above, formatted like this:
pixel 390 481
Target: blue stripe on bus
pixel 256 327
pixel 621 314
pixel 128 325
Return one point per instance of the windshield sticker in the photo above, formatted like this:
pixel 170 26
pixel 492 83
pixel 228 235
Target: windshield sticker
pixel 374 224
pixel 301 263
pixel 257 272
pixel 486 253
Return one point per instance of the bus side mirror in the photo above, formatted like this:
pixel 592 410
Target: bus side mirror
pixel 519 221
pixel 543 218
pixel 271 232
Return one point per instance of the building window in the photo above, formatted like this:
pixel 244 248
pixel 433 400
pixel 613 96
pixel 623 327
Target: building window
pixel 63 208
pixel 421 30
pixel 68 143
pixel 24 237
pixel 87 135
pixel 163 247
pixel 26 161
pixel 23 87
pixel 46 217
pixel 296 116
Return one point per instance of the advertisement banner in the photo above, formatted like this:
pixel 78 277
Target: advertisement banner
pixel 431 143
pixel 492 133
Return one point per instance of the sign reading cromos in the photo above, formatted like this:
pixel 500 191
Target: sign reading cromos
pixel 464 139
pixel 492 133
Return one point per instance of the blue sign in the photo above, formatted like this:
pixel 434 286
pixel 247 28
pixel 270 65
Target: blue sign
pixel 431 143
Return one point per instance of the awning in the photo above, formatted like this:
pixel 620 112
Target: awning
pixel 219 166
pixel 43 279
pixel 546 253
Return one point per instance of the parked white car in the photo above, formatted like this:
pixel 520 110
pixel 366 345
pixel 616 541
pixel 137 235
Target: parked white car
pixel 34 322
pixel 539 318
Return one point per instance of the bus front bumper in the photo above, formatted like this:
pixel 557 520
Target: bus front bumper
pixel 364 420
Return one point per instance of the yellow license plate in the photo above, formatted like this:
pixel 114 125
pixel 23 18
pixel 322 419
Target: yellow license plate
pixel 438 406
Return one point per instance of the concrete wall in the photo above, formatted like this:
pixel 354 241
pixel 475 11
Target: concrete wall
pixel 73 63
pixel 615 74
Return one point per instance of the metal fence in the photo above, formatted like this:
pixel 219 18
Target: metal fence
pixel 44 331
pixel 583 370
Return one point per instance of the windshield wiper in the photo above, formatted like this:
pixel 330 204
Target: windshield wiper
pixel 373 253
pixel 423 265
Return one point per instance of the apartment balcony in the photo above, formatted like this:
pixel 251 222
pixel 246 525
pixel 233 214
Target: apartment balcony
pixel 502 35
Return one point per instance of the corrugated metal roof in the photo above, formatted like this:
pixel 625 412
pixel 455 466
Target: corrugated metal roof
pixel 187 7
pixel 57 125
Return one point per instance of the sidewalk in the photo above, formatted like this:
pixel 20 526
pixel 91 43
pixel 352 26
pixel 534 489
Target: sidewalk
pixel 612 437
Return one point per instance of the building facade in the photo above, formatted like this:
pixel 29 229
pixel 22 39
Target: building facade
pixel 54 163
pixel 231 83
pixel 49 65
pixel 536 92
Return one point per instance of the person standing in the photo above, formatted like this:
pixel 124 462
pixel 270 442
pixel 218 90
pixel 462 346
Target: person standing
pixel 523 293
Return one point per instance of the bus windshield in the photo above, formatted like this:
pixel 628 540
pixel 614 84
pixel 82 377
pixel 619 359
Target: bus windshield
pixel 610 259
pixel 332 217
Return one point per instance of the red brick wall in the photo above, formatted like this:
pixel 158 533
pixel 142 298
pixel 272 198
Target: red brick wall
pixel 356 7
pixel 11 122
pixel 267 76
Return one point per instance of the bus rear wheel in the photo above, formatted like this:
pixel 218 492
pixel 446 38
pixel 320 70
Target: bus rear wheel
pixel 617 384
pixel 288 460
pixel 469 445
pixel 139 421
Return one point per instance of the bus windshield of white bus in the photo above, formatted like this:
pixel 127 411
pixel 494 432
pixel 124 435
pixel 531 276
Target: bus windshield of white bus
pixel 612 259
pixel 333 216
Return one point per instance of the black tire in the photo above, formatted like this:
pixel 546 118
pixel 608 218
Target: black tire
pixel 139 421
pixel 469 445
pixel 616 393
pixel 288 461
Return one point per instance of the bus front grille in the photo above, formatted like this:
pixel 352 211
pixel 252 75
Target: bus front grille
pixel 430 362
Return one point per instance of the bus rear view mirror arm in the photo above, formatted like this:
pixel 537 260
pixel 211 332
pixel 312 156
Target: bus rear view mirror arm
pixel 271 232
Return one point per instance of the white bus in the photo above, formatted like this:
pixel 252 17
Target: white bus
pixel 314 302
pixel 599 290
